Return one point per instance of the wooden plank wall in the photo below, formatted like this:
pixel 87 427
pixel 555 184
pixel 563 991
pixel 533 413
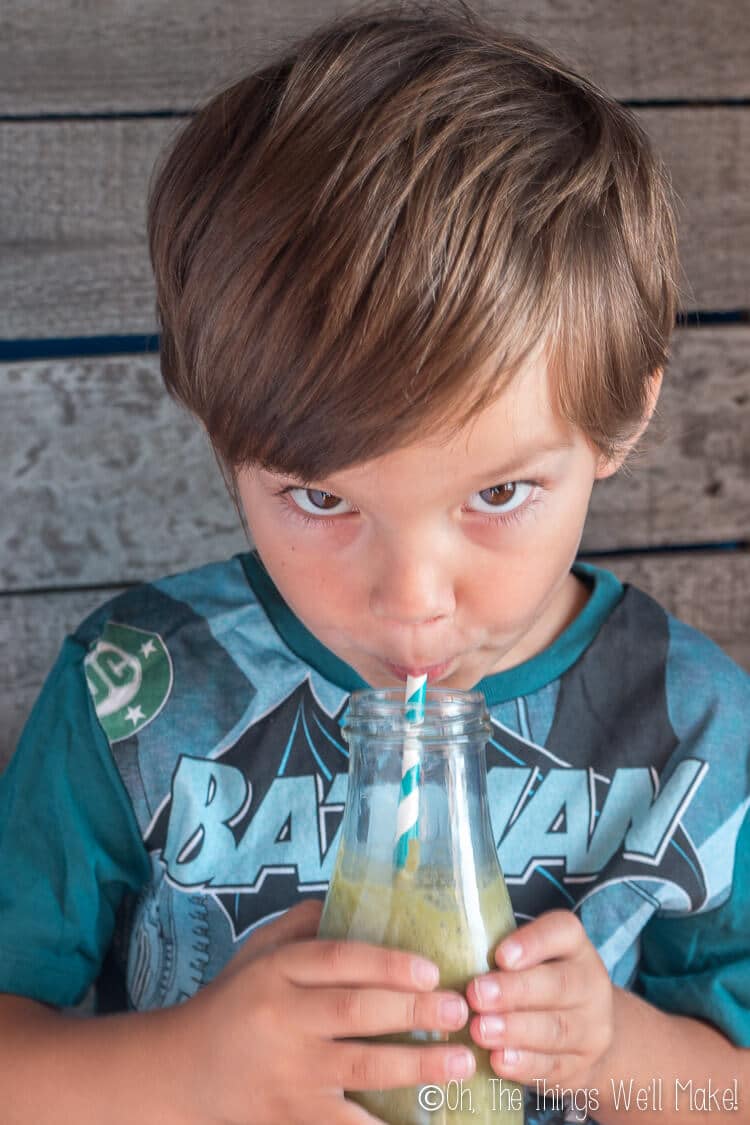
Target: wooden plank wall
pixel 106 482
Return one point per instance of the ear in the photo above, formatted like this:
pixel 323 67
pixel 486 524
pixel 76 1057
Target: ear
pixel 608 466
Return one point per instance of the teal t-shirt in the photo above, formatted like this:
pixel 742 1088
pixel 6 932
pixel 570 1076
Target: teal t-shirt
pixel 182 777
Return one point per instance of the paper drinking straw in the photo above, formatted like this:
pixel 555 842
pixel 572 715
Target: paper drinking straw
pixel 407 817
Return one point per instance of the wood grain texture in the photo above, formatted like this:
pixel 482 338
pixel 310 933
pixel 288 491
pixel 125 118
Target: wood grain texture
pixel 73 257
pixel 707 153
pixel 62 56
pixel 708 591
pixel 688 482
pixel 107 480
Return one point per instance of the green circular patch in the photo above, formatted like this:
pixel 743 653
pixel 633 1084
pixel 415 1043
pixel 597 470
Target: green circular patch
pixel 129 675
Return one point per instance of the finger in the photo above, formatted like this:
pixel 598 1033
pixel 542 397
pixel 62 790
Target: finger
pixel 367 1066
pixel 336 1012
pixel 296 924
pixel 531 1067
pixel 553 1032
pixel 557 933
pixel 553 984
pixel 356 962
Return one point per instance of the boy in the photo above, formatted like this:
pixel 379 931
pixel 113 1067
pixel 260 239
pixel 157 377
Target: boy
pixel 417 282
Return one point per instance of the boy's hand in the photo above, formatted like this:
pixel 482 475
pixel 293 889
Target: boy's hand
pixel 551 1015
pixel 275 1033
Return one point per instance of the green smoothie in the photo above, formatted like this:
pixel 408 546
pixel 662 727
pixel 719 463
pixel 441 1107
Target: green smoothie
pixel 417 909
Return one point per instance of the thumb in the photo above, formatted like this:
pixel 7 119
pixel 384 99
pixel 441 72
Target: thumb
pixel 299 923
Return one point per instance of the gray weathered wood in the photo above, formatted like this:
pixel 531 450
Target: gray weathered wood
pixel 106 479
pixel 689 480
pixel 60 56
pixel 709 591
pixel 73 258
pixel 707 153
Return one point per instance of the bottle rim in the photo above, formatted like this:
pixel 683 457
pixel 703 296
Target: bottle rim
pixel 450 714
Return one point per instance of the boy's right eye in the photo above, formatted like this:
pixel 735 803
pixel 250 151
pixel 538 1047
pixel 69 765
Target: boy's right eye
pixel 314 501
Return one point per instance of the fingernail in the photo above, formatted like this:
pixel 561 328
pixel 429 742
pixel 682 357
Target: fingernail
pixel 453 1010
pixel 511 951
pixel 488 990
pixel 460 1064
pixel 425 973
pixel 511 1056
pixel 490 1026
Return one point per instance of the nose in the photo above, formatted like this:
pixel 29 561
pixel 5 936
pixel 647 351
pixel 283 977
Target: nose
pixel 412 588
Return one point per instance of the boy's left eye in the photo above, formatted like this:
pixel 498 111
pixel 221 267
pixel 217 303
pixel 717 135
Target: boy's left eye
pixel 503 498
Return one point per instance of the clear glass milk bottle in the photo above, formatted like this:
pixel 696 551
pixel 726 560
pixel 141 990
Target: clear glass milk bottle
pixel 447 901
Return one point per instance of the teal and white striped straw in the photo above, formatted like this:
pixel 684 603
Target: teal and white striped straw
pixel 407 817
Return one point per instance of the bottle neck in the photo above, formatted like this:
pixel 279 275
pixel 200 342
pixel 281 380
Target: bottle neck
pixel 449 795
pixel 449 717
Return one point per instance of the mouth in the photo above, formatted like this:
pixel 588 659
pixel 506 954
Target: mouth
pixel 432 671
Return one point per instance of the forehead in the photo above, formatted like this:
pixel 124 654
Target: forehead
pixel 521 423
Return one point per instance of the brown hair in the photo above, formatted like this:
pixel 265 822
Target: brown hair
pixel 342 239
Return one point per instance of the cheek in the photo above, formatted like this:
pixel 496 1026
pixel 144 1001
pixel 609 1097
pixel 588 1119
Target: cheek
pixel 505 591
pixel 315 585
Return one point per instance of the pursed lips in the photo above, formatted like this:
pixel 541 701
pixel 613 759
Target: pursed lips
pixel 430 670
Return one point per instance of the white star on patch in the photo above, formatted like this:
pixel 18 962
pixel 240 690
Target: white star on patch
pixel 134 715
pixel 148 648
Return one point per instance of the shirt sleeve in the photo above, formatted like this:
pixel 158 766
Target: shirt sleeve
pixel 699 965
pixel 70 847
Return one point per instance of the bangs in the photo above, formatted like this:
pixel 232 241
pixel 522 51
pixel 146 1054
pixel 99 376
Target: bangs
pixel 360 244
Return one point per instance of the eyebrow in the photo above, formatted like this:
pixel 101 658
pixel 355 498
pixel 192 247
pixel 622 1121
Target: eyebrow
pixel 526 457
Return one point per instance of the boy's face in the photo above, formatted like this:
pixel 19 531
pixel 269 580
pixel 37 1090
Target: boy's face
pixel 447 556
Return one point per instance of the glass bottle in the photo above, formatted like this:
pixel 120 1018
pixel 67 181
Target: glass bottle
pixel 448 901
